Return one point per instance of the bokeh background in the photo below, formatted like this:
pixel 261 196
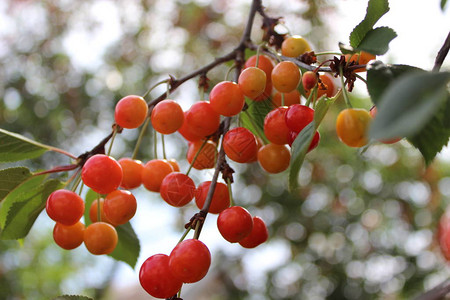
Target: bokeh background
pixel 363 224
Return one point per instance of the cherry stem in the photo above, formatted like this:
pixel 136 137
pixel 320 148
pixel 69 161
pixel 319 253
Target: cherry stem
pixel 163 146
pixel 195 157
pixel 54 149
pixel 229 71
pixel 327 53
pixel 258 50
pixel 282 99
pixel 112 140
pixel 361 78
pixel 311 95
pixel 141 135
pixel 155 143
pixel 157 84
pixel 81 188
pixel 57 169
pixel 230 192
pixel 184 235
pixel 77 181
pixel 346 98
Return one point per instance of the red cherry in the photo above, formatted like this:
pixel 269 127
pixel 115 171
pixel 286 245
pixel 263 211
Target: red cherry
pixel 220 199
pixel 298 116
pixel 65 207
pixel 189 261
pixel 227 98
pixel 314 142
pixel 131 111
pixel 240 145
pixel 157 279
pixel 234 223
pixel 119 206
pixel 177 189
pixel 258 235
pixel 68 237
pixel 132 173
pixel 202 119
pixel 102 173
pixel 275 127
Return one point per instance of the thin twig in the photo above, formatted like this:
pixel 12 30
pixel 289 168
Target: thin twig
pixel 436 293
pixel 442 54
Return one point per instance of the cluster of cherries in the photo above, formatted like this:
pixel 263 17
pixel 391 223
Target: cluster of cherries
pixel 162 275
pixel 103 174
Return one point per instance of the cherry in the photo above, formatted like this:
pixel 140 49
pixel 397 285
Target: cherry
pixel 298 117
pixel 309 80
pixel 131 111
pixel 266 94
pixel 207 156
pixel 275 127
pixel 65 207
pixel 102 173
pixel 227 98
pixel 174 164
pixel 240 145
pixel 188 132
pixel 220 199
pixel 119 206
pixel 352 125
pixel 294 46
pixel 285 76
pixel 93 212
pixel 314 142
pixel 202 119
pixel 167 116
pixel 361 58
pixel 189 261
pixel 132 173
pixel 325 86
pixel 443 234
pixel 100 238
pixel 274 158
pixel 252 82
pixel 264 63
pixel 157 279
pixel 289 98
pixel 258 235
pixel 154 172
pixel 68 237
pixel 177 189
pixel 234 223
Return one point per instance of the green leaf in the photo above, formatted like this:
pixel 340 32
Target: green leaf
pixel 380 76
pixel 14 147
pixel 23 205
pixel 377 40
pixel 446 121
pixel 253 117
pixel 128 247
pixel 432 138
pixel 408 104
pixel 12 177
pixel 375 10
pixel 443 3
pixel 72 297
pixel 298 153
pixel 304 138
pixel 88 199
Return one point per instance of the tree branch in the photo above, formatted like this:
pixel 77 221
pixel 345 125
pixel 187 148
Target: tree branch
pixel 442 54
pixel 436 293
